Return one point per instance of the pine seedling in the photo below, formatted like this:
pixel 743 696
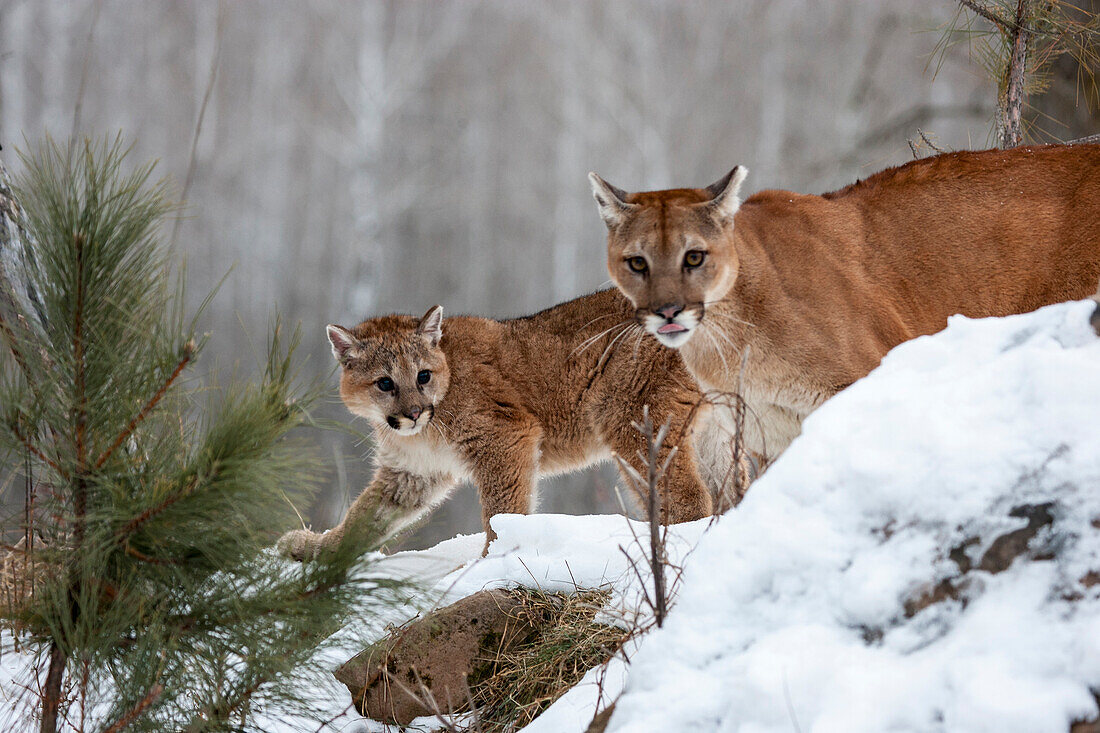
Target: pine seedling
pixel 156 603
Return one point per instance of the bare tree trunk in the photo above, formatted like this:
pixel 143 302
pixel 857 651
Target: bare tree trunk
pixel 1011 113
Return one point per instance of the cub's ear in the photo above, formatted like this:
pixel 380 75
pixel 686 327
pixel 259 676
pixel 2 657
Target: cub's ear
pixel 343 343
pixel 724 191
pixel 611 200
pixel 431 325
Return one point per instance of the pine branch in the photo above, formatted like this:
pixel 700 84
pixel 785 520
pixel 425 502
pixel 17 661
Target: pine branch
pixel 188 352
pixel 139 555
pixel 14 425
pixel 136 523
pixel 221 711
pixel 80 486
pixel 988 15
pixel 135 712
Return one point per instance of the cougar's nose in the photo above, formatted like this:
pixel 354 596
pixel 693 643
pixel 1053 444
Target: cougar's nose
pixel 413 413
pixel 670 310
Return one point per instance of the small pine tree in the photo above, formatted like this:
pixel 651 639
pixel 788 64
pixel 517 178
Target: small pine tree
pixel 155 604
pixel 1017 42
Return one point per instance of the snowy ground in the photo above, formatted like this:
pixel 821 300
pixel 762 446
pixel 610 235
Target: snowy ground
pixel 791 614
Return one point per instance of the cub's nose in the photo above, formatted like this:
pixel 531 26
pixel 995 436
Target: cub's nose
pixel 413 413
pixel 670 310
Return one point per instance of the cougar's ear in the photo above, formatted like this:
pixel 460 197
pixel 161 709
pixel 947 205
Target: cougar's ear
pixel 724 199
pixel 431 325
pixel 611 200
pixel 344 345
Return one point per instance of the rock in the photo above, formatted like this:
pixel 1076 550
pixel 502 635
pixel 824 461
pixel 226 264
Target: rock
pixel 1003 550
pixel 427 666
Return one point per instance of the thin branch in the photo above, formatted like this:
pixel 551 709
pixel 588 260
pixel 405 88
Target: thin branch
pixel 214 63
pixel 1087 140
pixel 139 555
pixel 84 73
pixel 135 712
pixel 134 524
pixel 989 15
pixel 35 451
pixel 188 352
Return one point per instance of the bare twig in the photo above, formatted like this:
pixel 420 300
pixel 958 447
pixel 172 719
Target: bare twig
pixel 84 74
pixel 191 162
pixel 649 487
pixel 988 14
pixel 915 147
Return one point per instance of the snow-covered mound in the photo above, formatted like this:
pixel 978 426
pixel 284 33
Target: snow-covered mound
pixel 831 600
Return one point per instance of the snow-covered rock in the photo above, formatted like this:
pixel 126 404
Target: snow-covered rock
pixel 802 609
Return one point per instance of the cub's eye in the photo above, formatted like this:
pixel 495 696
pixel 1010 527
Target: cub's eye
pixel 424 376
pixel 385 384
pixel 637 264
pixel 694 258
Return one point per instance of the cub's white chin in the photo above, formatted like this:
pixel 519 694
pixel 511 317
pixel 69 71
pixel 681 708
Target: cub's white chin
pixel 413 430
pixel 674 340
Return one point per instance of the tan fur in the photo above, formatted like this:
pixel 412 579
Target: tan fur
pixel 507 403
pixel 816 289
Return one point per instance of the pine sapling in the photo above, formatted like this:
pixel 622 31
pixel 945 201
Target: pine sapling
pixel 156 605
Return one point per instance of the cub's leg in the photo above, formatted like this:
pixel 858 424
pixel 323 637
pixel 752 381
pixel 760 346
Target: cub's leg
pixel 393 500
pixel 505 469
pixel 683 495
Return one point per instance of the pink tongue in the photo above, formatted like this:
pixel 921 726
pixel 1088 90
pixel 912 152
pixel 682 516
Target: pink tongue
pixel 671 328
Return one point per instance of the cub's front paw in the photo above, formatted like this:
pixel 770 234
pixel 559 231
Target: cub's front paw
pixel 299 544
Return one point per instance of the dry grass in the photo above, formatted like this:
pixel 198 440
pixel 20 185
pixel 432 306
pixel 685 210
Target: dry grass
pixel 526 680
pixel 20 573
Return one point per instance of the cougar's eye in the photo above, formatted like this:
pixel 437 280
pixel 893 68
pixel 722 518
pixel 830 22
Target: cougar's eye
pixel 385 384
pixel 424 376
pixel 694 258
pixel 637 264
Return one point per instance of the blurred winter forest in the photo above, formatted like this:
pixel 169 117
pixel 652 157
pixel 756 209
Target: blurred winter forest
pixel 348 159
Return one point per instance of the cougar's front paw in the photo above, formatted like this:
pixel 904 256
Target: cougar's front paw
pixel 299 544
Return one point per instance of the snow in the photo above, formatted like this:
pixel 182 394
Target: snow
pixel 791 610
pixel 935 447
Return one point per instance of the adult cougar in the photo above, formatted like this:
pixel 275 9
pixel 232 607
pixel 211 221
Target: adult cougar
pixel 816 289
pixel 502 403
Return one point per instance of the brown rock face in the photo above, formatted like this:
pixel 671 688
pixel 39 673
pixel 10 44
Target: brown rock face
pixel 427 667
